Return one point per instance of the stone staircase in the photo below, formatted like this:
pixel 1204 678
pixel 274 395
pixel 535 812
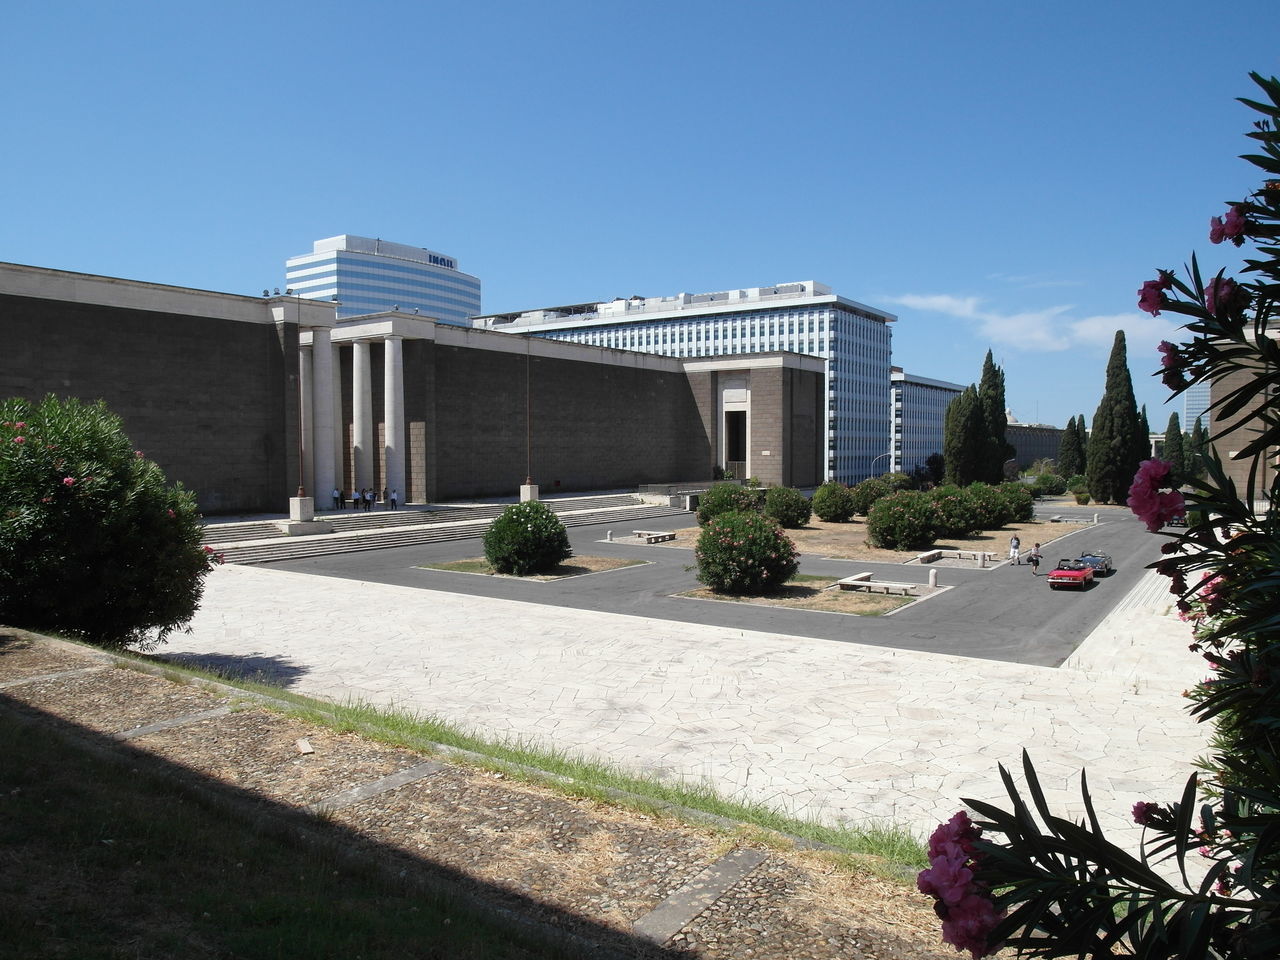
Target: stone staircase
pixel 260 541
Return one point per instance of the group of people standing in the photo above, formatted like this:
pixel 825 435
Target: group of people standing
pixel 364 498
pixel 1033 555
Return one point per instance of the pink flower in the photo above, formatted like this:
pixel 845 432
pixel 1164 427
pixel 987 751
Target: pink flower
pixel 969 924
pixel 1232 228
pixel 68 481
pixel 1216 230
pixel 1143 811
pixel 20 425
pixel 968 914
pixel 19 439
pixel 1149 499
pixel 138 454
pixel 1173 363
pixel 171 513
pixel 1218 294
pixel 207 549
pixel 1151 297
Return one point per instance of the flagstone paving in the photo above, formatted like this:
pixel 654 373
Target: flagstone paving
pixel 837 731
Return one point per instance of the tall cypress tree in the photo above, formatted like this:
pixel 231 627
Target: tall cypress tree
pixel 1142 437
pixel 1174 449
pixel 1113 444
pixel 963 442
pixel 1195 451
pixel 1083 435
pixel 995 422
pixel 1070 451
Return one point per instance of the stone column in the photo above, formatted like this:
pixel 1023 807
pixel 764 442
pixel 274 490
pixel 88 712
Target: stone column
pixel 321 432
pixel 339 435
pixel 362 413
pixel 305 387
pixel 393 413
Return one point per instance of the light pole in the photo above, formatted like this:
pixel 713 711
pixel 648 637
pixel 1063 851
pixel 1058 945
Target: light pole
pixel 880 457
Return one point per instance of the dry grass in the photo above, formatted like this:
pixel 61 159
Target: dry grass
pixel 816 593
pixel 574 567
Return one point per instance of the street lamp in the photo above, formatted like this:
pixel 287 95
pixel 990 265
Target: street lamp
pixel 880 457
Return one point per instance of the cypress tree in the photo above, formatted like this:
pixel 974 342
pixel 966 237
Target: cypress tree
pixel 1142 437
pixel 1070 451
pixel 1174 449
pixel 1083 436
pixel 1113 450
pixel 963 441
pixel 995 422
pixel 1195 452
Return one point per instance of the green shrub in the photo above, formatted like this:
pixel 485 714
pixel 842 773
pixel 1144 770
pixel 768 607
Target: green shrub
pixel 788 506
pixel 1082 497
pixel 957 515
pixel 726 498
pixel 1021 504
pixel 833 502
pixel 990 508
pixel 866 493
pixel 1077 484
pixel 745 553
pixel 526 538
pixel 899 481
pixel 93 541
pixel 1049 485
pixel 906 520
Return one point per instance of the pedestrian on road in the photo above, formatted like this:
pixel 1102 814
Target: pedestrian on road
pixel 1015 549
pixel 1033 558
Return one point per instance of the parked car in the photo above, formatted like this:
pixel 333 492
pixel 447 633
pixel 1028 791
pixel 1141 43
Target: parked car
pixel 1071 573
pixel 1178 521
pixel 1100 562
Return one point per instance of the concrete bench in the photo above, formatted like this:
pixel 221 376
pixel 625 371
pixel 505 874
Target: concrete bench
pixel 655 536
pixel 929 556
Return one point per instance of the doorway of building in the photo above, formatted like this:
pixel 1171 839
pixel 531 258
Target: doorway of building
pixel 735 443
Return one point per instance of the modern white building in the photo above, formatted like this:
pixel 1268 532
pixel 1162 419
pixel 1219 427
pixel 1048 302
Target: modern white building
pixel 919 414
pixel 804 317
pixel 1195 404
pixel 369 276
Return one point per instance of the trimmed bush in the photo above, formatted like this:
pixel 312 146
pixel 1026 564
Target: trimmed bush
pixel 1077 484
pixel 745 553
pixel 906 520
pixel 957 514
pixel 93 541
pixel 991 509
pixel 1082 497
pixel 726 498
pixel 1017 496
pixel 1049 485
pixel 526 538
pixel 866 493
pixel 833 502
pixel 899 481
pixel 788 506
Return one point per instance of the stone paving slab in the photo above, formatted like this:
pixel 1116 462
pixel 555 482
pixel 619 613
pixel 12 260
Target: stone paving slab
pixel 836 731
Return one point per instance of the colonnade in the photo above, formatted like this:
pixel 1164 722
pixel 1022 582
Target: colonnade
pixel 323 449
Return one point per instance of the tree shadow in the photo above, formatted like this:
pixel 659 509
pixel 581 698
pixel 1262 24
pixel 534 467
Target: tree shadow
pixel 270 671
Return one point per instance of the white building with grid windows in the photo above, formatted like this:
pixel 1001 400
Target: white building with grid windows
pixel 375 276
pixel 919 414
pixel 804 317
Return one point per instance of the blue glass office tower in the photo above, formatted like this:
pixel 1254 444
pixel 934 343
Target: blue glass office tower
pixel 374 276
pixel 805 317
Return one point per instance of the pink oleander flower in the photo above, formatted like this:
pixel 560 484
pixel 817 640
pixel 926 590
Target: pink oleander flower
pixel 171 513
pixel 207 549
pixel 68 481
pixel 1231 228
pixel 19 439
pixel 138 454
pixel 1218 294
pixel 968 925
pixel 967 912
pixel 20 425
pixel 1151 297
pixel 1143 812
pixel 1174 364
pixel 1149 496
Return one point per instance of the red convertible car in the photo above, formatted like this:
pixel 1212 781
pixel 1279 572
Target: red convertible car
pixel 1071 573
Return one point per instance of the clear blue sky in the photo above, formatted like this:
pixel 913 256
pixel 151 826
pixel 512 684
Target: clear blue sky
pixel 1001 175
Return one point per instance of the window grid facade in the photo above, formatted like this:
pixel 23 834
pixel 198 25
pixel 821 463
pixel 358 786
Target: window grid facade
pixel 919 414
pixel 855 341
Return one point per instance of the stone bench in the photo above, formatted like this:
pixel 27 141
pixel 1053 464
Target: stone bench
pixel 865 583
pixel 655 536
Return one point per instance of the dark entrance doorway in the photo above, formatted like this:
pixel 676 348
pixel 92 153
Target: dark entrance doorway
pixel 735 443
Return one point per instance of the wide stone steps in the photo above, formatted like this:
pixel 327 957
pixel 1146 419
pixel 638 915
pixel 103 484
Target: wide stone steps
pixel 240 532
pixel 296 548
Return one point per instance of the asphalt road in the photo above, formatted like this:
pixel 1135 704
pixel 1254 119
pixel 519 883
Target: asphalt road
pixel 1002 613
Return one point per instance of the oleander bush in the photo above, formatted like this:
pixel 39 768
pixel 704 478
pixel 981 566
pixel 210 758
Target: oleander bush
pixel 726 498
pixel 94 542
pixel 745 552
pixel 866 493
pixel 957 515
pixel 899 481
pixel 788 506
pixel 906 520
pixel 833 502
pixel 990 507
pixel 1021 504
pixel 1049 485
pixel 526 538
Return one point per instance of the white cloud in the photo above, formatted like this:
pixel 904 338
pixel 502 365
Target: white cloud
pixel 1048 330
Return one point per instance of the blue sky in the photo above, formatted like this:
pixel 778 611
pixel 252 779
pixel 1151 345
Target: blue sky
pixel 1002 175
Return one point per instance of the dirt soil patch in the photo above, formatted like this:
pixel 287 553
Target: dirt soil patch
pixel 521 846
pixel 820 594
pixel 573 567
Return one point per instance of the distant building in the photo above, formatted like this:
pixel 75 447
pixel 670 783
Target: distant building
pixel 1032 441
pixel 803 317
pixel 1195 403
pixel 919 413
pixel 374 276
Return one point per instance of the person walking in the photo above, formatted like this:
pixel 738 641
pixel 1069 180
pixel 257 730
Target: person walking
pixel 1015 550
pixel 337 499
pixel 368 500
pixel 395 500
pixel 1033 558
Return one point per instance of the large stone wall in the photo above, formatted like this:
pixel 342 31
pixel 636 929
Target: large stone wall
pixel 205 398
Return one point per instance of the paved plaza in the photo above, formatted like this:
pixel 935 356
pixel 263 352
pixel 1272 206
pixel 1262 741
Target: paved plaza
pixel 836 730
